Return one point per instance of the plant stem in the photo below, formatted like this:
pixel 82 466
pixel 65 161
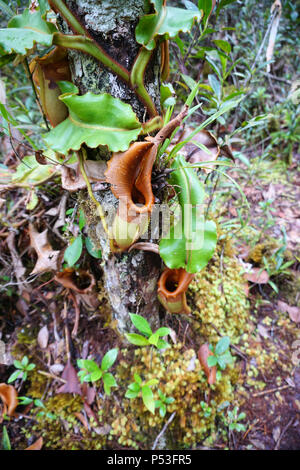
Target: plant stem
pixel 60 7
pixel 137 79
pixel 84 44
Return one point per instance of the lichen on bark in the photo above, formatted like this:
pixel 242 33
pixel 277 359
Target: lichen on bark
pixel 130 278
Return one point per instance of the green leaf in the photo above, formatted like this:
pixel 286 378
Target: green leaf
pixel 137 378
pixel 147 396
pixel 88 364
pixel 205 6
pixel 5 439
pixel 224 45
pixel 30 367
pixel 162 344
pixel 73 252
pixel 191 242
pixel 167 94
pixel 212 361
pixel 23 31
pixel 216 85
pixel 91 249
pixel 25 400
pixel 141 324
pixel 96 375
pixel 30 173
pixel 162 410
pixel 14 376
pixel 24 361
pixel 130 394
pixel 134 387
pixel 94 120
pixel 153 339
pixel 109 358
pixel 166 22
pixel 137 340
pixel 108 382
pixel 18 364
pixel 163 331
pixel 222 345
pixel 152 382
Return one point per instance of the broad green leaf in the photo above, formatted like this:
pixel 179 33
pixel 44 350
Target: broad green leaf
pixel 108 382
pixel 167 94
pixel 153 339
pixel 91 249
pixel 25 361
pixel 141 324
pixel 109 358
pixel 206 7
pixel 212 361
pixel 162 410
pixel 137 378
pixel 165 22
pixel 96 375
pixel 147 396
pixel 14 376
pixel 162 344
pixel 130 394
pixel 94 120
pixel 163 331
pixel 152 382
pixel 137 340
pixel 73 252
pixel 24 31
pixel 222 345
pixel 224 45
pixel 134 387
pixel 88 364
pixel 30 367
pixel 5 439
pixel 30 173
pixel 18 364
pixel 191 241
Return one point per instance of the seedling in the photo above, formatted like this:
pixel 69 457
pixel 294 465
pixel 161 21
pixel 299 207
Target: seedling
pixel 23 367
pixel 232 418
pixel 221 354
pixel 91 372
pixel 139 388
pixel 163 402
pixel 149 338
pixel 206 409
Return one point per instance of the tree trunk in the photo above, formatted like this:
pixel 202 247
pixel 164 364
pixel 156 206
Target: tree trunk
pixel 130 278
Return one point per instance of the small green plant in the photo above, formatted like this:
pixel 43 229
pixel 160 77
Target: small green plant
pixel 37 404
pixel 6 445
pixel 206 409
pixel 23 367
pixel 221 354
pixel 149 338
pixel 138 388
pixel 162 403
pixel 91 372
pixel 231 420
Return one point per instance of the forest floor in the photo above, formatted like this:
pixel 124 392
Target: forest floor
pixel 44 319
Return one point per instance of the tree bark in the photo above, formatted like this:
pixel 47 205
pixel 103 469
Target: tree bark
pixel 130 278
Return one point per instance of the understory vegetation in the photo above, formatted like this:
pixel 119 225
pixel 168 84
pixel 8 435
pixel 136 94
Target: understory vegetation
pixel 222 368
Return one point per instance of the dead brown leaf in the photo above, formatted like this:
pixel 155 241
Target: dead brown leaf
pixel 48 259
pixel 257 276
pixel 43 337
pixel 37 445
pixel 72 179
pixel 294 312
pixel 9 397
pixel 210 372
pixel 72 383
pixel 81 282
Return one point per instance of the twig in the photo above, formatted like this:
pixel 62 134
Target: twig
pixel 163 430
pixel 271 390
pixel 52 376
pixel 283 432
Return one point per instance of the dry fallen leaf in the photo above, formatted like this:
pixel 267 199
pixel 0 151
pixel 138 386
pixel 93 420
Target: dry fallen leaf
pixel 257 276
pixel 80 281
pixel 9 397
pixel 43 337
pixel 72 179
pixel 47 257
pixel 72 383
pixel 294 312
pixel 37 445
pixel 210 372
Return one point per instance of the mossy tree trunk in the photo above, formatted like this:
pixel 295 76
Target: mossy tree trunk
pixel 130 278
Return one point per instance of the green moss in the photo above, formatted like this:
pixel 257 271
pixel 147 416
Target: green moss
pixel 218 296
